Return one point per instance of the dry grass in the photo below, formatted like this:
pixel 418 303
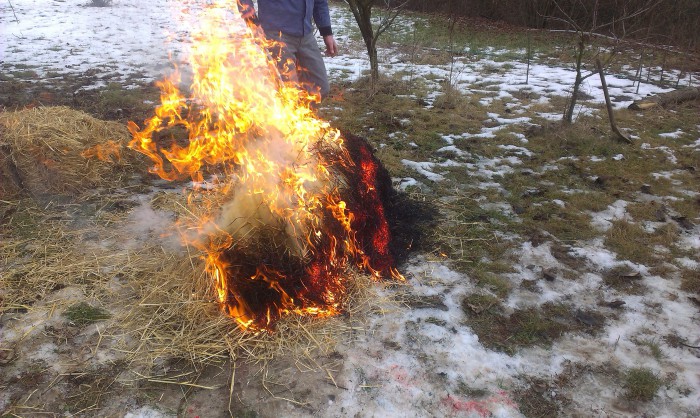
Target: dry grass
pixel 154 306
pixel 35 265
pixel 631 242
pixel 161 302
pixel 58 150
pixel 486 316
pixel 174 314
pixel 156 303
pixel 690 281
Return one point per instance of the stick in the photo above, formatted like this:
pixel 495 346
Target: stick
pixel 608 104
pixel 13 10
pixel 639 71
pixel 529 51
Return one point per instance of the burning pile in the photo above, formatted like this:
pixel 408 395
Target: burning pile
pixel 298 206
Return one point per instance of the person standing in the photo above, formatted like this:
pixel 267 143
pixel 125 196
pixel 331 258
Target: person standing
pixel 289 24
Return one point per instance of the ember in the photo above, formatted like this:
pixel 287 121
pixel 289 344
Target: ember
pixel 302 207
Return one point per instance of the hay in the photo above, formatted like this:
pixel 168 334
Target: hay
pixel 174 314
pixel 162 302
pixel 58 150
pixel 41 255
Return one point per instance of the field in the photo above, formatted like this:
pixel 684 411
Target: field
pixel 558 272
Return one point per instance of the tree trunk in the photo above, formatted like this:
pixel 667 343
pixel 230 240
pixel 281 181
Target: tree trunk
pixel 569 115
pixel 362 10
pixel 373 62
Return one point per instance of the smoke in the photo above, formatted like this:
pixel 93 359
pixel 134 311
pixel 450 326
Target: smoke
pixel 146 225
pixel 274 206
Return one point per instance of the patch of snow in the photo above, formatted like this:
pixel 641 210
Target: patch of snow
pixel 424 168
pixel 550 116
pixel 673 135
pixel 146 412
pixel 615 212
pixel 403 183
pixel 517 150
pixel 453 149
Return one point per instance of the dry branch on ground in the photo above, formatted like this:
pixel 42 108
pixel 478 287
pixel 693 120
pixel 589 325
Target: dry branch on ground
pixel 667 99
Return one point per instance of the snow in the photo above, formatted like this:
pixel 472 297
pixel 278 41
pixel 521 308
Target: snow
pixel 615 212
pixel 672 135
pixel 145 412
pixel 113 41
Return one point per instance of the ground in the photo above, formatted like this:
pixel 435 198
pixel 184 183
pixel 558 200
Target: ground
pixel 559 274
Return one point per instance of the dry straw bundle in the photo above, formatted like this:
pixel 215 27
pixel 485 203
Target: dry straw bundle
pixel 170 311
pixel 58 150
pixel 161 303
pixel 173 314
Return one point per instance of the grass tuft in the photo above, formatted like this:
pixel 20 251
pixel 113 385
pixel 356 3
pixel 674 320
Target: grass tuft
pixel 624 279
pixel 690 281
pixel 641 384
pixel 524 327
pixel 632 242
pixel 83 313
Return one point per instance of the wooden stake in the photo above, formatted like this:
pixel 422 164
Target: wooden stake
pixel 608 104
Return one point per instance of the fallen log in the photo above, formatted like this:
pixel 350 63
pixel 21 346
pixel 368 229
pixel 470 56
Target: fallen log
pixel 665 99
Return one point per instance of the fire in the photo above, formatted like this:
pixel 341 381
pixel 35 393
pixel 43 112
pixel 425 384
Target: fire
pixel 302 205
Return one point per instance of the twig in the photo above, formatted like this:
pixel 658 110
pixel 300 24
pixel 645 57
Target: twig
pixel 13 11
pixel 686 345
pixel 233 382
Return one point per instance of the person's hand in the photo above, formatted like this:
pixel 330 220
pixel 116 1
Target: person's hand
pixel 331 46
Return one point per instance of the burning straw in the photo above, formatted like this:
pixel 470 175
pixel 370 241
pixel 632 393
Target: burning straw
pixel 296 210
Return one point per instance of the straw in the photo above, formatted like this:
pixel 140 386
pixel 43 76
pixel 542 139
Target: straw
pixel 57 150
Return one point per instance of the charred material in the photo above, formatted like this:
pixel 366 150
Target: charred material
pixel 266 281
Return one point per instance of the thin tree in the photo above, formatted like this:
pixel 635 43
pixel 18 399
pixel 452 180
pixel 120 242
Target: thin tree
pixel 588 20
pixel 362 10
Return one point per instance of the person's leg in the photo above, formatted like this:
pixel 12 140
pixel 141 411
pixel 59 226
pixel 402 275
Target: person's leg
pixel 284 53
pixel 310 66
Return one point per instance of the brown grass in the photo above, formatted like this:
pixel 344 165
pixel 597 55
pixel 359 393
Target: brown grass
pixel 690 281
pixel 524 327
pixel 631 242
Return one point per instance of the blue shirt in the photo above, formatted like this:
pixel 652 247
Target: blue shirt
pixel 291 17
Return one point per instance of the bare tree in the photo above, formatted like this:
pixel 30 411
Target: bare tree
pixel 362 10
pixel 589 19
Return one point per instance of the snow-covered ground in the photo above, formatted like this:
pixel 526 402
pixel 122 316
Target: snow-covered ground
pixel 412 362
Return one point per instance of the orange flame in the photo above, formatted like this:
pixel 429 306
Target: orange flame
pixel 109 151
pixel 281 165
